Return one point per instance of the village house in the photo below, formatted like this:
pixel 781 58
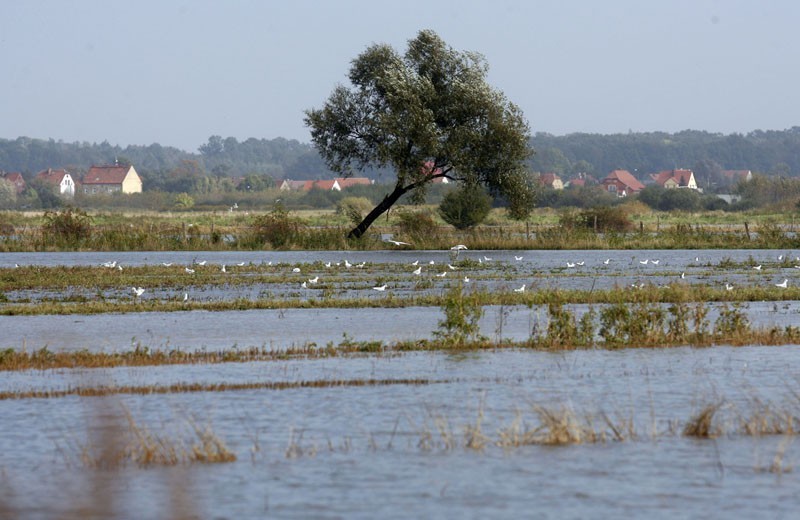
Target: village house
pixel 61 181
pixel 671 179
pixel 551 180
pixel 735 176
pixel 428 169
pixel 621 183
pixel 16 179
pixel 337 184
pixel 111 179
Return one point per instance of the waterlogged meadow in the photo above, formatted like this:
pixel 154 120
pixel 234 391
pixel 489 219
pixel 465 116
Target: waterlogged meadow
pixel 399 383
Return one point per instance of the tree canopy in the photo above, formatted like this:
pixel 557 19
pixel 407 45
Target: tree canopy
pixel 426 114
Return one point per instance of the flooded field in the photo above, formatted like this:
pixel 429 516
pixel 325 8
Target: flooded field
pixel 664 432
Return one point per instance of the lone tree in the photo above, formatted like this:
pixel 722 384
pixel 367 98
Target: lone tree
pixel 426 114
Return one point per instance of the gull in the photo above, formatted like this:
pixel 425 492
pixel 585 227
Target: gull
pixel 418 270
pixel 570 264
pixel 110 264
pixel 185 296
pixel 644 262
pixel 202 262
pixel 442 274
pixel 380 288
pixel 223 269
pixel 166 264
pixel 466 279
pixel 459 247
pixel 398 243
pixel 16 265
pixel 654 262
pixel 296 270
pixel 431 262
pixel 269 263
pixel 580 263
pixel 190 271
pixel 327 264
pixel 487 259
pixel 780 258
pixel 119 267
pixel 303 285
pixel 607 261
pixel 347 264
pixel 362 264
pixel 784 284
pixel 415 262
pixel 757 267
pixel 683 275
pixel 313 280
pixel 521 289
pixel 517 258
pixel 728 287
pixel 451 267
pixel 138 291
pixel 240 264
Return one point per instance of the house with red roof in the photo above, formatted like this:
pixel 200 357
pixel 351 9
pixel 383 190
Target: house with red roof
pixel 61 181
pixel 551 180
pixel 337 184
pixel 111 179
pixel 622 183
pixel 348 182
pixel 428 169
pixel 671 179
pixel 16 179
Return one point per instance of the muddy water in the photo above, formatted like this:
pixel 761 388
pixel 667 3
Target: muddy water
pixel 399 450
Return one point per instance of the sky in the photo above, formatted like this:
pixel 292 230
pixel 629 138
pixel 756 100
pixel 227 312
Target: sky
pixel 176 72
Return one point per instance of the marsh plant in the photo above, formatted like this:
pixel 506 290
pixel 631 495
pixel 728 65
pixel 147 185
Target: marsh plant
pixel 462 312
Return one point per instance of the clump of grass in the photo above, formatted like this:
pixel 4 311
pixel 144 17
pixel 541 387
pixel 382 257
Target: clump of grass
pixel 701 425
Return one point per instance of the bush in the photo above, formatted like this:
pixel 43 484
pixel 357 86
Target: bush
pixel 603 219
pixel 465 207
pixel 67 227
pixel 419 227
pixel 276 227
pixel 354 208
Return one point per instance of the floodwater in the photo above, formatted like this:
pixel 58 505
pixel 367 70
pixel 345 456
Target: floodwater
pixel 369 442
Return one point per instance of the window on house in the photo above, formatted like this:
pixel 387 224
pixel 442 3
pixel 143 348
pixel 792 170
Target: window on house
pixel 612 187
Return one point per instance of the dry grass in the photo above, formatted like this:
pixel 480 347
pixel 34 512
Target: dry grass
pixel 701 424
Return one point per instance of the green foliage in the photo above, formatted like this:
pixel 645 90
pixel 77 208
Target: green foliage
pixel 68 227
pixel 8 194
pixel 276 227
pixel 353 208
pixel 604 219
pixel 462 313
pixel 418 226
pixel 256 182
pixel 183 201
pixel 427 112
pixel 465 207
pixel 731 322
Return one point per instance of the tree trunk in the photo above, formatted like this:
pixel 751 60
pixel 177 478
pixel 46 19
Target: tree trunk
pixel 384 205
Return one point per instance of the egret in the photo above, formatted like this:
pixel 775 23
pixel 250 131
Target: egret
pixel 486 258
pixel 223 269
pixel 185 296
pixel 327 264
pixel 16 265
pixel 683 275
pixel 431 262
pixel 654 262
pixel 415 262
pixel 459 247
pixel 138 291
pixel 697 259
pixel 784 284
pixel 580 263
pixel 190 271
pixel 202 262
pixel 347 264
pixel 757 267
pixel 570 264
pixel 521 289
pixel 451 267
pixel 313 280
pixel 517 258
pixel 644 262
pixel 442 274
pixel 418 270
pixel 380 288
pixel 728 287
pixel 466 279
pixel 303 285
pixel 296 270
pixel 399 243
pixel 166 264
pixel 240 264
pixel 607 261
pixel 119 267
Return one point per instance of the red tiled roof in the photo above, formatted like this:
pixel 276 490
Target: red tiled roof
pixel 548 179
pixel 681 177
pixel 625 178
pixel 326 185
pixel 352 181
pixel 51 176
pixel 106 174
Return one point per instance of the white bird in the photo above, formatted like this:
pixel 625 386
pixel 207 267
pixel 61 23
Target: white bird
pixel 459 247
pixel 607 261
pixel 361 265
pixel 570 264
pixel 521 289
pixel 451 267
pixel 16 265
pixel 223 269
pixel 728 287
pixel 418 270
pixel 644 262
pixel 240 264
pixel 654 262
pixel 203 262
pixel 415 262
pixel 327 264
pixel 399 243
pixel 138 291
pixel 347 264
pixel 757 267
pixel 697 259
pixel 466 279
pixel 683 275
pixel 185 296
pixel 303 285
pixel 110 264
pixel 517 258
pixel 780 258
pixel 296 270
pixel 380 288
pixel 313 280
pixel 431 262
pixel 190 271
pixel 166 264
pixel 119 267
pixel 487 259
pixel 580 263
pixel 784 284
pixel 442 274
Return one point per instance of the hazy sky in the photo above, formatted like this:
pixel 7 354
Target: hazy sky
pixel 176 72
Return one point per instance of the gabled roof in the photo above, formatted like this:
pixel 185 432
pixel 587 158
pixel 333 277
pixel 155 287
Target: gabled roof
pixel 13 177
pixel 625 178
pixel 737 174
pixel 548 179
pixel 325 184
pixel 681 177
pixel 52 176
pixel 106 174
pixel 352 181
